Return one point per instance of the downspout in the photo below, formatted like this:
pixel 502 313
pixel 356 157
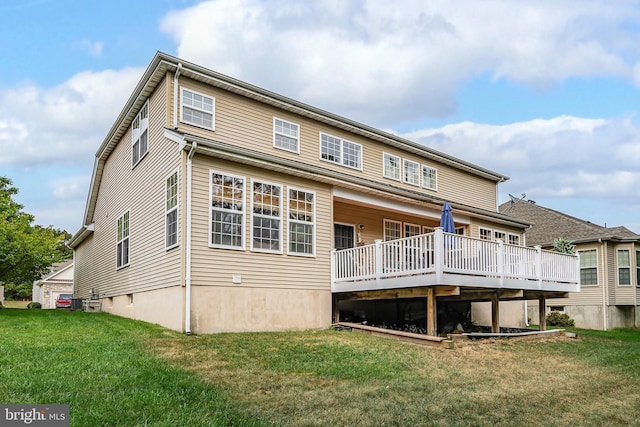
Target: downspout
pixel 175 95
pixel 605 284
pixel 187 302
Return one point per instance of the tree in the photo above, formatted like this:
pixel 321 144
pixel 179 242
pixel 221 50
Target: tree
pixel 564 246
pixel 27 251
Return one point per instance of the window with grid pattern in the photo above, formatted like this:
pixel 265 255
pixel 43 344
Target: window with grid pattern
pixel 266 207
pixel 340 151
pixel 227 211
pixel 485 233
pixel 140 135
pixel 285 135
pixel 301 222
pixel 122 245
pixel 429 177
pixel 392 230
pixel 411 172
pixel 624 267
pixel 197 109
pixel 588 268
pixel 171 215
pixel 391 166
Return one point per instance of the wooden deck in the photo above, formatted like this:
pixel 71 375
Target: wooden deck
pixel 443 259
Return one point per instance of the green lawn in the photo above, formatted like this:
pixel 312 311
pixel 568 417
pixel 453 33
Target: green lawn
pixel 114 371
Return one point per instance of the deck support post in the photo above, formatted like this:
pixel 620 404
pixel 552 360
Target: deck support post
pixel 495 313
pixel 542 315
pixel 335 308
pixel 432 312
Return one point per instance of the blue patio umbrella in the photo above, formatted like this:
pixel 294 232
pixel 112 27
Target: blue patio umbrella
pixel 446 219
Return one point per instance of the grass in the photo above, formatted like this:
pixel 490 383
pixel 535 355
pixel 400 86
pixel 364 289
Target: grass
pixel 130 373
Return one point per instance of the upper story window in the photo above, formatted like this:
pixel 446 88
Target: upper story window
pixel 171 214
pixel 429 177
pixel 500 235
pixel 624 267
pixel 140 135
pixel 122 244
pixel 391 165
pixel 340 151
pixel 227 211
pixel 588 268
pixel 266 218
pixel 285 135
pixel 411 172
pixel 197 109
pixel 302 214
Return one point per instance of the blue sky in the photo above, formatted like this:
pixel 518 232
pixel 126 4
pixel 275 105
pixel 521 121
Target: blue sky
pixel 545 92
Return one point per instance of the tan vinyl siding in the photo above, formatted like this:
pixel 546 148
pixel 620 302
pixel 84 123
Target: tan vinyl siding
pixel 84 268
pixel 625 294
pixel 141 191
pixel 217 267
pixel 247 123
pixel 477 224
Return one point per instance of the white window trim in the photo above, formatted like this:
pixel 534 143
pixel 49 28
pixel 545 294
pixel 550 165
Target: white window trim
pixel 127 238
pixel 297 150
pixel 405 178
pixel 385 156
pixel 427 229
pixel 408 224
pixel 637 269
pixel 384 228
pixel 341 162
pixel 490 239
pixel 509 235
pixel 212 112
pixel 143 125
pixel 463 228
pixel 345 224
pixel 312 223
pixel 619 267
pixel 426 182
pixel 243 213
pixel 281 218
pixel 175 208
pixel 595 266
pixel 495 238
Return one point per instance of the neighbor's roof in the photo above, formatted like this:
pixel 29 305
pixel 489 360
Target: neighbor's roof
pixel 549 224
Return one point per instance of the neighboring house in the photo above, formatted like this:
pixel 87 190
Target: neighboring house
pixel 58 281
pixel 216 206
pixel 609 266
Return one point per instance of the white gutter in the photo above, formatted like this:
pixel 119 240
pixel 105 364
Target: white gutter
pixel 175 95
pixel 187 297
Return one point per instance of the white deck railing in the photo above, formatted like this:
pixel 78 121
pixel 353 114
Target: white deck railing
pixel 440 253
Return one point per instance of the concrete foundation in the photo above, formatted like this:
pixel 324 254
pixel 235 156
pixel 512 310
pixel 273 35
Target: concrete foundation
pixel 511 313
pixel 591 316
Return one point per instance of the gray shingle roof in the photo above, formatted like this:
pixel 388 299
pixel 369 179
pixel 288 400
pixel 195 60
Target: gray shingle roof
pixel 549 224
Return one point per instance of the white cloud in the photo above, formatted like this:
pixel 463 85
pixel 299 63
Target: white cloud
pixel 564 157
pixel 64 124
pixel 378 62
pixel 70 188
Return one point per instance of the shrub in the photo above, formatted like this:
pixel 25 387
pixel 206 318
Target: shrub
pixel 1 306
pixel 34 305
pixel 555 318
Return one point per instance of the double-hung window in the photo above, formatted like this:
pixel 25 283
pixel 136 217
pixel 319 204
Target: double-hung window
pixel 140 135
pixel 624 267
pixel 514 239
pixel 227 211
pixel 500 235
pixel 171 215
pixel 197 109
pixel 637 268
pixel 485 233
pixel 301 222
pixel 392 230
pixel 340 151
pixel 588 267
pixel 391 165
pixel 429 177
pixel 266 218
pixel 122 245
pixel 411 172
pixel 286 135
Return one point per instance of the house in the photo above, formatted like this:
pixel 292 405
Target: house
pixel 58 281
pixel 219 206
pixel 609 266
